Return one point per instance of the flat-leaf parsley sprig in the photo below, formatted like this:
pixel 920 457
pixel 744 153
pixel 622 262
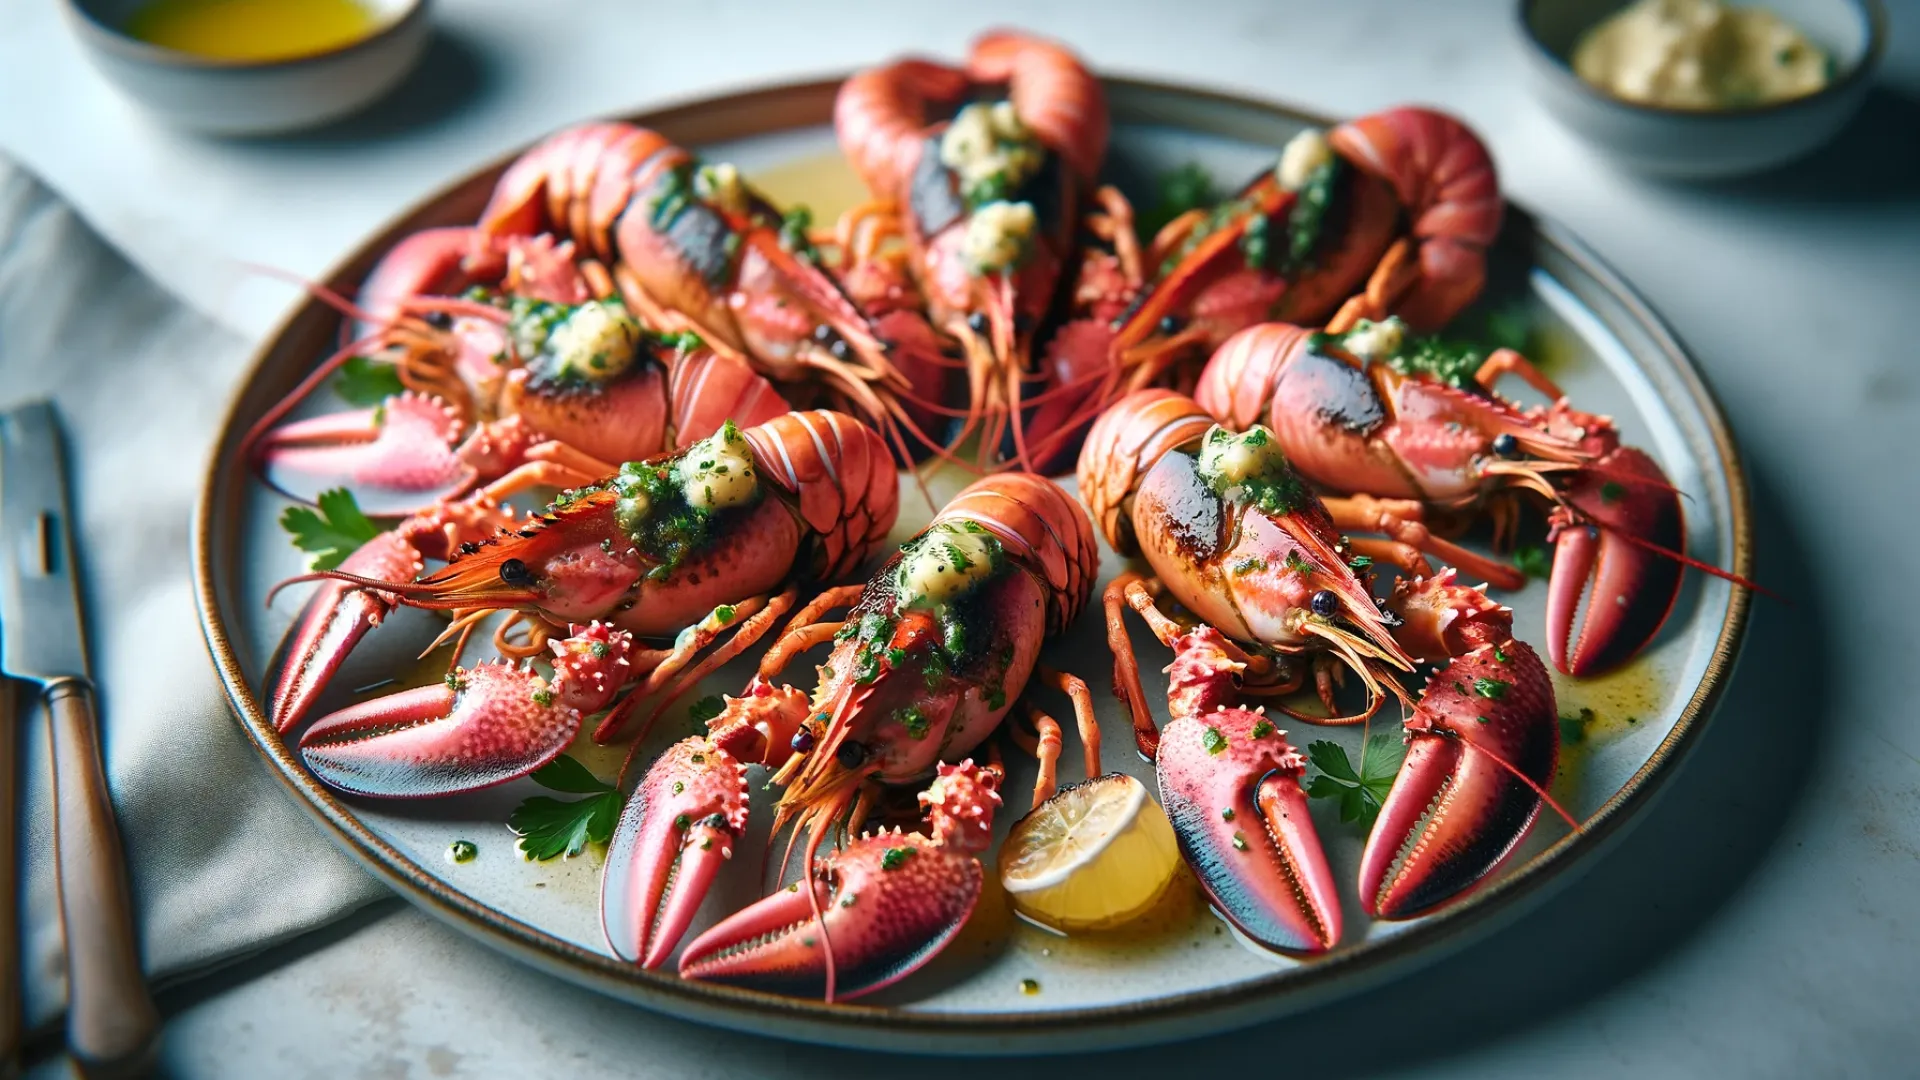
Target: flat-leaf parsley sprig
pixel 549 828
pixel 1359 791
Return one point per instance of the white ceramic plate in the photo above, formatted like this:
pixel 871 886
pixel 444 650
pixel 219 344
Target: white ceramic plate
pixel 1184 972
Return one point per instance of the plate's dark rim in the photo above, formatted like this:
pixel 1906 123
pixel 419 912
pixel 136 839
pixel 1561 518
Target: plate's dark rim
pixel 783 107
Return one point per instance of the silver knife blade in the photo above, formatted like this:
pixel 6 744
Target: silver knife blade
pixel 39 585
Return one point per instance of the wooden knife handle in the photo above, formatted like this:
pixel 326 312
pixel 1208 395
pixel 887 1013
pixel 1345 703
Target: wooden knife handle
pixel 11 1020
pixel 111 1021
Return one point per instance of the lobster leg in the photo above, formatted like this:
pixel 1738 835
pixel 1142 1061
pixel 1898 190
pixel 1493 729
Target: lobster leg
pixel 690 642
pixel 1400 519
pixel 1133 590
pixel 750 630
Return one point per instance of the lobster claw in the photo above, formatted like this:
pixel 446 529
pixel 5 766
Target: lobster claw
pixel 396 458
pixel 889 901
pixel 1625 497
pixel 484 726
pixel 1457 808
pixel 438 261
pixel 336 617
pixel 673 836
pixel 1231 785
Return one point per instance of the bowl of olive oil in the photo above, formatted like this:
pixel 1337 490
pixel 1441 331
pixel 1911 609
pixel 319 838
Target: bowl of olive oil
pixel 252 67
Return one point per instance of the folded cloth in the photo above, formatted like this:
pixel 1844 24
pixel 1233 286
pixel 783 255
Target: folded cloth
pixel 222 862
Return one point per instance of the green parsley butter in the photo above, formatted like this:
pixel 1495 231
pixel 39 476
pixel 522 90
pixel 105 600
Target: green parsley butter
pixel 989 148
pixel 945 563
pixel 597 341
pixel 717 472
pixel 1305 154
pixel 997 236
pixel 1376 341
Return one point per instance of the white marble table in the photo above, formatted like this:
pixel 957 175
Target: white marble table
pixel 1760 922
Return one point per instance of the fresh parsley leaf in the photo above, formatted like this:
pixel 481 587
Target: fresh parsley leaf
pixel 1360 792
pixel 1533 560
pixel 365 381
pixel 332 532
pixel 550 828
pixel 1188 187
pixel 567 774
pixel 1510 328
pixel 706 709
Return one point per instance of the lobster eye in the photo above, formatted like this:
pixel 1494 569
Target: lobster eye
pixel 802 741
pixel 515 572
pixel 1325 604
pixel 977 322
pixel 1505 445
pixel 1169 324
pixel 851 754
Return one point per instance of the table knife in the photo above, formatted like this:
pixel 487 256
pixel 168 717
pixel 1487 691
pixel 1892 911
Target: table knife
pixel 12 1021
pixel 111 1020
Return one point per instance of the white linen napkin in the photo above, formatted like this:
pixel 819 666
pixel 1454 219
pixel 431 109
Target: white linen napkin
pixel 222 862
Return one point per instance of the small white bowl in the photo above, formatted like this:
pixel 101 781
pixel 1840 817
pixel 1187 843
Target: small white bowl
pixel 241 97
pixel 1694 144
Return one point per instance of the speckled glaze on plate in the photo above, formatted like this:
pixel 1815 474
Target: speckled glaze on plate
pixel 1181 972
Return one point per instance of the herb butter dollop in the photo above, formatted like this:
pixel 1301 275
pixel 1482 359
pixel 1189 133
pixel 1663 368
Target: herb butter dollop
pixel 998 235
pixel 598 341
pixel 991 151
pixel 717 472
pixel 945 562
pixel 1700 54
pixel 1304 155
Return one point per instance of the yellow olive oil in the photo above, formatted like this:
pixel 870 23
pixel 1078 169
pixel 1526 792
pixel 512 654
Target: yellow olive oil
pixel 252 29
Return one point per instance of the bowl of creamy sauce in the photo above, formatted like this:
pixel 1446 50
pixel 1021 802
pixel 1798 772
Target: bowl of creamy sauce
pixel 1702 88
pixel 248 67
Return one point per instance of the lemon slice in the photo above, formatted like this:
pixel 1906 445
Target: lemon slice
pixel 1096 855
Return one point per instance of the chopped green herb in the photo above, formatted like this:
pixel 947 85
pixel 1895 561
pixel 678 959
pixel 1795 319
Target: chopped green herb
pixel 543 697
pixel 1308 218
pixel 996 698
pixel 1227 814
pixel 1213 741
pixel 365 381
pixel 723 614
pixel 1573 729
pixel 1187 187
pixel 1248 565
pixel 1239 840
pixel 1499 654
pixel 1610 492
pixel 1533 560
pixel 1491 689
pixel 914 721
pixel 1359 564
pixel 1262 728
pixel 1358 791
pixel 1298 564
pixel 895 857
pixel 704 710
pixel 330 533
pixel 463 851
